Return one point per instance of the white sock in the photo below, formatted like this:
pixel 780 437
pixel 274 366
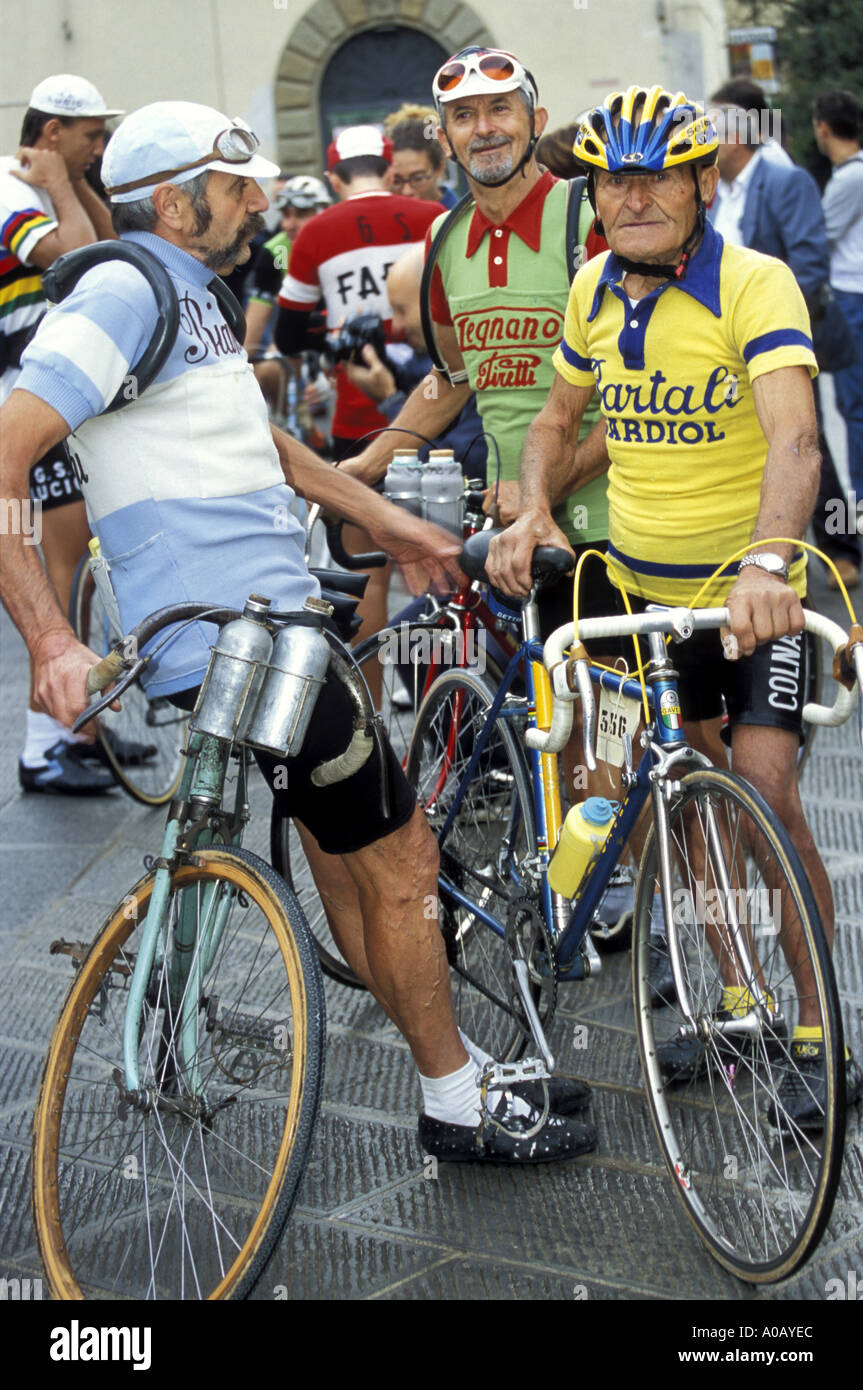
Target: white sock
pixel 42 733
pixel 474 1051
pixel 454 1098
pixel 458 1103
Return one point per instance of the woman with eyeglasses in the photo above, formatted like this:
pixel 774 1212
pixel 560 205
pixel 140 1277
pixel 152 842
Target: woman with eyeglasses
pixel 418 162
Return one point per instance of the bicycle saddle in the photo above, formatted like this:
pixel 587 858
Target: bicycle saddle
pixel 549 564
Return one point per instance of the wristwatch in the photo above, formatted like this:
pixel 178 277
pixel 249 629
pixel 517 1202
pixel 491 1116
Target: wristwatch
pixel 768 561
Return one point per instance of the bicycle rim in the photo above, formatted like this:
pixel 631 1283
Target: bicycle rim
pixel 156 726
pixel 758 1188
pixel 161 1201
pixel 482 854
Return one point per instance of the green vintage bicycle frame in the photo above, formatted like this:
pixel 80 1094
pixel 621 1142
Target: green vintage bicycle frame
pixel 201 922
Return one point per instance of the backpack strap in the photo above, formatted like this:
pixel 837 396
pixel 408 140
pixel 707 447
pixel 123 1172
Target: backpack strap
pixel 443 231
pixel 230 307
pixel 61 278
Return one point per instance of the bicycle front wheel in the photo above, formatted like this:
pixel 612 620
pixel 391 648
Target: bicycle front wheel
pixel 757 1183
pixel 490 836
pixel 181 1189
pixel 143 741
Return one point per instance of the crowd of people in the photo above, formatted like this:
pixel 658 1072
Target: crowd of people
pixel 689 336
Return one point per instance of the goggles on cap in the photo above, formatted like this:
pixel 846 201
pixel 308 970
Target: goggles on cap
pixel 489 69
pixel 236 145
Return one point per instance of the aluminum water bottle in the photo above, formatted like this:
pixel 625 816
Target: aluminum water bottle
pixel 238 664
pixel 443 490
pixel 403 481
pixel 582 836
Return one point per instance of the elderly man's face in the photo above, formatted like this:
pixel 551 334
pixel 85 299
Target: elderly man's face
pixel 648 217
pixel 226 221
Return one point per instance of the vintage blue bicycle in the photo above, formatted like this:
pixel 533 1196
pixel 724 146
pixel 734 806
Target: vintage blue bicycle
pixel 719 871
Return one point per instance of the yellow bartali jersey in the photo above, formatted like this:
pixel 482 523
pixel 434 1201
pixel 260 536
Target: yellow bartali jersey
pixel 674 374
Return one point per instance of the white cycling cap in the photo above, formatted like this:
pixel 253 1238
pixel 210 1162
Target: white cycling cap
pixel 64 94
pixel 173 142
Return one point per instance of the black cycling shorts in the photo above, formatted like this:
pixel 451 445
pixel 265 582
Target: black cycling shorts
pixel 52 480
pixel 766 689
pixel 597 598
pixel 345 816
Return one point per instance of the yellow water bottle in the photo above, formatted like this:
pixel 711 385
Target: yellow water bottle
pixel 582 836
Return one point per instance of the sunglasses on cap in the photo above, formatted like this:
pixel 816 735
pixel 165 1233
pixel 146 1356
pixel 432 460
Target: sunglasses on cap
pixel 490 65
pixel 236 145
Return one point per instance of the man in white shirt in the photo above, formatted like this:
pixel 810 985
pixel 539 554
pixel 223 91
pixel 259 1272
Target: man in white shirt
pixel 47 208
pixel 837 124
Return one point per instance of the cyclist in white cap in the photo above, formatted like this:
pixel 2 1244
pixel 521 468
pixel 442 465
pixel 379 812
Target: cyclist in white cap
pixel 189 491
pixel 47 207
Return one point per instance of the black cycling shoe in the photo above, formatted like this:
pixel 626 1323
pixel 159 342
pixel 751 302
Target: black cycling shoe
pixel 566 1095
pixel 685 1059
pixel 67 772
pixel 802 1097
pixel 662 987
pixel 561 1137
pixel 126 752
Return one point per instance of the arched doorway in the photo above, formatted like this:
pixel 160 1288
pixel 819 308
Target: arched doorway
pixel 335 71
pixel 373 73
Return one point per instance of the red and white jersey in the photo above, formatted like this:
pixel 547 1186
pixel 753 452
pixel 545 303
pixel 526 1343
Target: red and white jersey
pixel 345 254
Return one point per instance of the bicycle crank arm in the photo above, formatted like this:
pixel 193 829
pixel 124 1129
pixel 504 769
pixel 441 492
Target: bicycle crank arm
pixel 522 980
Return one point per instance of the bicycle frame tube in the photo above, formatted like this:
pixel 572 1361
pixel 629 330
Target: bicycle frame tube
pixel 203 775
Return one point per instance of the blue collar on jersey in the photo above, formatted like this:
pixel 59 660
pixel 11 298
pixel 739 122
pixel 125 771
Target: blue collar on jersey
pixel 180 262
pixel 701 281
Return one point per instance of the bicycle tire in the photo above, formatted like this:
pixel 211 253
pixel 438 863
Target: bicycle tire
pixel 166 1202
pixel 402 695
pixel 155 723
pixel 759 1194
pixel 813 657
pixel 492 834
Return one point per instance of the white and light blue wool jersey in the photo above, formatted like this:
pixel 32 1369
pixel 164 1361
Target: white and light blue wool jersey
pixel 183 485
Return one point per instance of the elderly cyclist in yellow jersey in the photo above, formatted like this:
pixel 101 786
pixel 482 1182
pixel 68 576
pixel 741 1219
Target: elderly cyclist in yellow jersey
pixel 701 354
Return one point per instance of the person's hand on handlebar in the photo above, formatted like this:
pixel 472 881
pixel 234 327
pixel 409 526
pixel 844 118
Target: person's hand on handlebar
pixel 510 554
pixel 61 665
pixel 762 608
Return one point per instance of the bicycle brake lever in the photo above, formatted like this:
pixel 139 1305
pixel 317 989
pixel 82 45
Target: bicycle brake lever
pixel 588 711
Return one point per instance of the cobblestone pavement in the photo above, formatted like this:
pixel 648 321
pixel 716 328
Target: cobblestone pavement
pixel 369 1224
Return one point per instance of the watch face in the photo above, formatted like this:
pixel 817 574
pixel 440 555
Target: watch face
pixel 767 561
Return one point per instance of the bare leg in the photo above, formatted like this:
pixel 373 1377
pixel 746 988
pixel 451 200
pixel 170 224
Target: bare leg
pixel 382 907
pixel 768 759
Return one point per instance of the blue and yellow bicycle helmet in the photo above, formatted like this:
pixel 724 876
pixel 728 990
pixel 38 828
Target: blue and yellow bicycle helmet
pixel 643 130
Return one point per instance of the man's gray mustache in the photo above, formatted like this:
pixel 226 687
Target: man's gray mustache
pixel 486 144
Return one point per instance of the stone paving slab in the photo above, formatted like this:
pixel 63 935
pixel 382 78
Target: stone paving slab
pixel 371 1220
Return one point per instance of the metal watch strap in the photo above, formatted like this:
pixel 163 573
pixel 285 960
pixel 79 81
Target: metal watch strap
pixel 756 557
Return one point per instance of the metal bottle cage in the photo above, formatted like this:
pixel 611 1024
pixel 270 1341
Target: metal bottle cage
pixel 62 277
